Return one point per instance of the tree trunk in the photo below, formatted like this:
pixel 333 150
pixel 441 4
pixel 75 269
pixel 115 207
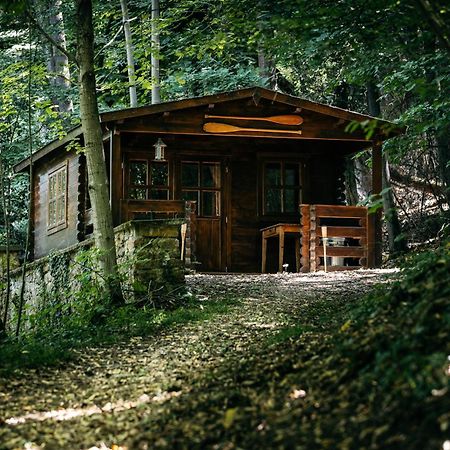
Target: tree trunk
pixel 93 143
pixel 341 98
pixel 363 178
pixel 156 95
pixel 441 29
pixel 58 64
pixel 130 57
pixel 6 211
pixel 443 148
pixel 351 192
pixel 396 240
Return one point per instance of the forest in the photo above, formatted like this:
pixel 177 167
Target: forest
pixel 342 360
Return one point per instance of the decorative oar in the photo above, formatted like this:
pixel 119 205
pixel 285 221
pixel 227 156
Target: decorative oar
pixel 214 127
pixel 287 119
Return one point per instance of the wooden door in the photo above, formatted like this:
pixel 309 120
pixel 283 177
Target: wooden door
pixel 203 182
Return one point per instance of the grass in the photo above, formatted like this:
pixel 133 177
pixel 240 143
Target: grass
pixel 287 333
pixel 47 348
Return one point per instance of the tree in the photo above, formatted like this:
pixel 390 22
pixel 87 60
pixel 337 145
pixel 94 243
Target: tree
pixel 130 56
pixel 58 62
pixel 397 243
pixel 156 95
pixel 93 144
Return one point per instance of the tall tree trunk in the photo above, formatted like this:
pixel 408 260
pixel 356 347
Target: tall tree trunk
pixel 441 136
pixel 351 191
pixel 439 25
pixel 130 56
pixel 341 97
pixel 156 91
pixel 6 210
pixel 363 178
pixel 20 307
pixel 396 240
pixel 93 143
pixel 443 148
pixel 58 64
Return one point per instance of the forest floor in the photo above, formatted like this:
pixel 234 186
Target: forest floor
pixel 219 383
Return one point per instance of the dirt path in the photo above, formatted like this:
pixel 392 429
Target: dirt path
pixel 104 398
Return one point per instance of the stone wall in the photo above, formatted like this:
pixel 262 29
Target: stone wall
pixel 148 254
pixel 150 250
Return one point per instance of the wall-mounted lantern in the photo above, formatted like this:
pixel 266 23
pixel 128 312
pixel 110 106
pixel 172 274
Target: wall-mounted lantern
pixel 160 148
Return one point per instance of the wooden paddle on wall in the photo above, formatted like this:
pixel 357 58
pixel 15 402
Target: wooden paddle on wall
pixel 287 119
pixel 215 127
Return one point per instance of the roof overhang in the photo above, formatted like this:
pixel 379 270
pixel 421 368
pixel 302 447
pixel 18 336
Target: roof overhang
pixel 255 93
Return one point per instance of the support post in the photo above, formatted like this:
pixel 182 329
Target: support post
pixel 116 179
pixel 374 235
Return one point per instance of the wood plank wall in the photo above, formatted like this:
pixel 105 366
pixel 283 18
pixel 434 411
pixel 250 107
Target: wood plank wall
pixel 43 241
pixel 322 183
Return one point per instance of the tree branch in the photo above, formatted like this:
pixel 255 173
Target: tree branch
pixel 437 23
pixel 110 42
pixel 52 41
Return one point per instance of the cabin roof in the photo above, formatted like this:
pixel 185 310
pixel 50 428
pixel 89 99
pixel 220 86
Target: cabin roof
pixel 256 93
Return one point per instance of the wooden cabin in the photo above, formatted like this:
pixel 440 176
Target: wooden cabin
pixel 248 159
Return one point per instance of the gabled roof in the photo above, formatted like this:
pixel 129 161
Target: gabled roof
pixel 256 93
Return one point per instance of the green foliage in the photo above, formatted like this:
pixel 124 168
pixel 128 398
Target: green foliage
pixel 76 312
pixel 287 333
pixel 350 374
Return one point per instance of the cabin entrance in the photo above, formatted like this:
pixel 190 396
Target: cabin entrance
pixel 203 181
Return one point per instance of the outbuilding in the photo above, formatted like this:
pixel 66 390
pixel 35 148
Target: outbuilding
pixel 247 158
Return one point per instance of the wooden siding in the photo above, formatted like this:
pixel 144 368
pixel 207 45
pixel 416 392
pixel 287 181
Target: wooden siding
pixel 43 241
pixel 233 242
pixel 245 223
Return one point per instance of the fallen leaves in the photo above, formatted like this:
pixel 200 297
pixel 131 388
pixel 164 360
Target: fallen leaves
pixel 191 382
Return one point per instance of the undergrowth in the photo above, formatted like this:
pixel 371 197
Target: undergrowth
pixel 368 373
pixel 52 345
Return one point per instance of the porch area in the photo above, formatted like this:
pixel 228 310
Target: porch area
pixel 327 237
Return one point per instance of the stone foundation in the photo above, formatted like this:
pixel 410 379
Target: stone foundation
pixel 148 254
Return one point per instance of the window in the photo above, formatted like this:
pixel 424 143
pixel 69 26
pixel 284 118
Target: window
pixel 57 199
pixel 200 181
pixel 148 180
pixel 282 187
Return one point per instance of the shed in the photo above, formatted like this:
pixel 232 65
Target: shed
pixel 248 158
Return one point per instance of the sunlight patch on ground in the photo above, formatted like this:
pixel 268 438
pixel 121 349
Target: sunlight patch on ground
pixel 72 413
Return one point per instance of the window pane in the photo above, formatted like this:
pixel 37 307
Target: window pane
pixel 273 200
pixel 190 195
pixel 292 176
pixel 138 173
pixel 273 174
pixel 159 174
pixel 58 183
pixel 138 194
pixel 291 200
pixel 63 181
pixel 61 209
pixel 51 213
pixel 210 175
pixel 159 194
pixel 189 175
pixel 210 204
pixel 51 187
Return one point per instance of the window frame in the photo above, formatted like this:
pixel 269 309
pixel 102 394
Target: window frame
pixel 148 186
pixel 61 224
pixel 282 186
pixel 202 189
